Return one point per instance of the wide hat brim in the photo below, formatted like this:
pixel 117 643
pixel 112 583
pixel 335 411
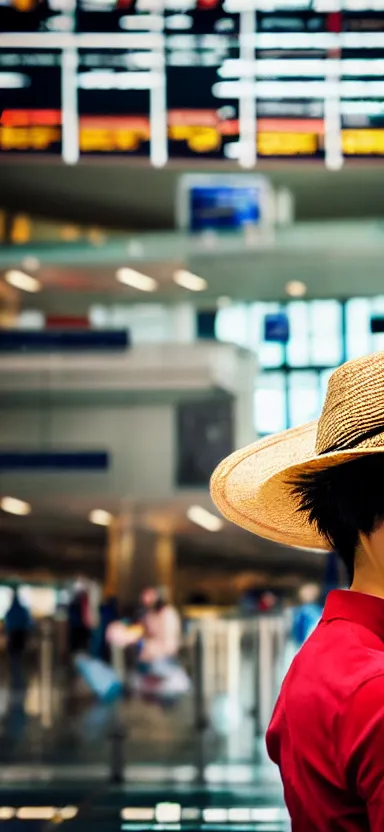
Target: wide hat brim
pixel 253 487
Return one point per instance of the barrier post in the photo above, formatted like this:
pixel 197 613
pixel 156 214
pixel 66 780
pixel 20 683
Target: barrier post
pixel 201 721
pixel 118 736
pixel 46 674
pixel 255 712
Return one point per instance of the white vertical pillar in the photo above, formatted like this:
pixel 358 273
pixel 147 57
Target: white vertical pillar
pixel 266 671
pixel 183 326
pixel 233 661
pixel 245 432
pixel 158 110
pixel 70 119
pixel 332 116
pixel 247 101
pixel 136 559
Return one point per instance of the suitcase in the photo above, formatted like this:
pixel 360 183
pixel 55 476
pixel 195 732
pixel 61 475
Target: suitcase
pixel 100 678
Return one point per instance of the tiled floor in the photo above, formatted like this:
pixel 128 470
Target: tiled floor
pixel 142 809
pixel 66 748
pixel 66 725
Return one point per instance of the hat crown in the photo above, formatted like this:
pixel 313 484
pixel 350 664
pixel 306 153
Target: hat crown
pixel 353 411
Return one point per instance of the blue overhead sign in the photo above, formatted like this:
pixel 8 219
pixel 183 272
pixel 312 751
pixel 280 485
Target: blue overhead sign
pixel 224 208
pixel 276 328
pixel 67 340
pixel 54 460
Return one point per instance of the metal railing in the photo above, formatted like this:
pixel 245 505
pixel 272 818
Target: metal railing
pixel 241 659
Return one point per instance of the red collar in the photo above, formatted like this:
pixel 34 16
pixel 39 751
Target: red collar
pixel 366 610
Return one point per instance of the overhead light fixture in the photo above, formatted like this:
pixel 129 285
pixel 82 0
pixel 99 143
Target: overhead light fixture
pixel 296 289
pixel 132 813
pixel 36 813
pixel 13 506
pixel 68 812
pixel 215 815
pixel 136 280
pixel 168 813
pixel 100 517
pixel 23 281
pixel 7 812
pixel 190 281
pixel 201 517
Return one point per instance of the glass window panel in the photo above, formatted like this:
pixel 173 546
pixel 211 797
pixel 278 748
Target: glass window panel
pixel 377 342
pixel 256 324
pixel 326 333
pixel 270 403
pixel 269 354
pixel 298 344
pixel 358 334
pixel 303 397
pixel 377 308
pixel 232 325
pixel 377 305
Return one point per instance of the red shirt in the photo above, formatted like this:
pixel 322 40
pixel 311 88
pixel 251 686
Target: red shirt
pixel 327 730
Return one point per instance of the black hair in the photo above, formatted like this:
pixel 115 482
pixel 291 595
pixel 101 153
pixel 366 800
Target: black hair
pixel 342 501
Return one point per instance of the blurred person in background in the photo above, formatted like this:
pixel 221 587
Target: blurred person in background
pixel 255 601
pixel 307 614
pixel 156 633
pixel 17 625
pixel 108 613
pixel 162 630
pixel 321 486
pixel 249 600
pixel 267 602
pixel 156 638
pixel 79 630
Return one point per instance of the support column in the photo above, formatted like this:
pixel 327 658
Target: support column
pixel 137 559
pixel 165 563
pixel 112 557
pixel 9 305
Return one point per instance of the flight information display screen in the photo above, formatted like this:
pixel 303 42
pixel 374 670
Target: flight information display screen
pixel 37 16
pixel 114 102
pixel 30 101
pixel 197 45
pixel 237 80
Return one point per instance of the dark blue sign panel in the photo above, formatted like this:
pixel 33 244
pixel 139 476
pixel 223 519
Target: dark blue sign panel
pixel 276 328
pixel 223 208
pixel 16 340
pixel 54 460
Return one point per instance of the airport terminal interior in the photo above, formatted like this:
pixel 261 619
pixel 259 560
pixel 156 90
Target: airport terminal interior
pixel 191 241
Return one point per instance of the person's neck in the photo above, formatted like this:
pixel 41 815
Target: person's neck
pixel 368 584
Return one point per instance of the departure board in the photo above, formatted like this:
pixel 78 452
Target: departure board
pixel 30 101
pixel 230 80
pixel 197 45
pixel 114 102
pixel 37 16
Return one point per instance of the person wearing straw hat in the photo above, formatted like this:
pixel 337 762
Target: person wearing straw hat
pixel 321 486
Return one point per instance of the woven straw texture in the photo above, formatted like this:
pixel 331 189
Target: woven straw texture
pixel 252 486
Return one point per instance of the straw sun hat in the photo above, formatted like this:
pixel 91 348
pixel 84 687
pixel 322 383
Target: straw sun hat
pixel 252 487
